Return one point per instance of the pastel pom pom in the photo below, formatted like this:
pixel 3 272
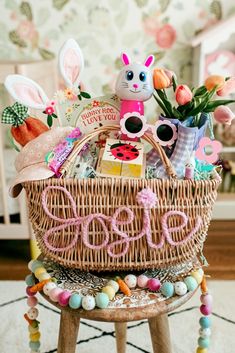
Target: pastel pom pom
pixel 180 288
pixel 35 264
pixel 154 284
pixel 64 298
pixel 205 309
pixel 54 294
pixel 206 299
pixel 32 313
pixel 32 301
pixel 75 301
pixel 34 345
pixel 102 300
pixel 130 281
pixel 142 281
pixel 48 287
pixel 88 302
pixel 167 289
pixel 205 332
pixel 29 280
pixel 191 283
pixel 109 291
pixel 113 284
pixel 39 271
pixel 205 322
pixel 203 342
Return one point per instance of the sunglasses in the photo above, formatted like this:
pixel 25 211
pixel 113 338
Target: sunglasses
pixel 135 125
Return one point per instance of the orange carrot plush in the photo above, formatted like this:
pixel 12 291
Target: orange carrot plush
pixel 123 287
pixel 24 128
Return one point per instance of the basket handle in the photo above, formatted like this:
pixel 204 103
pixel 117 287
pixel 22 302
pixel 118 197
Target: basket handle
pixel 147 137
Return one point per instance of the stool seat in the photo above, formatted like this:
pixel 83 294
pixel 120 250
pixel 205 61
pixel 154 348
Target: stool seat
pixel 142 304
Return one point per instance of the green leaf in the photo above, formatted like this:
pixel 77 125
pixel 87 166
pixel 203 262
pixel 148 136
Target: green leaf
pixel 79 97
pixel 216 9
pixel 85 95
pixel 25 9
pixel 178 114
pixel 174 82
pixel 59 4
pixel 15 39
pixel 165 101
pixel 49 120
pixel 164 4
pixel 214 104
pixel 54 115
pixel 46 54
pixel 200 90
pixel 161 105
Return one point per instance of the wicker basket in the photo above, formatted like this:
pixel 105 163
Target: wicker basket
pixel 59 227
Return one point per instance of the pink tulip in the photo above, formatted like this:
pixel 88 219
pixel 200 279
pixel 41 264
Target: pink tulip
pixel 183 94
pixel 228 87
pixel 223 115
pixel 170 75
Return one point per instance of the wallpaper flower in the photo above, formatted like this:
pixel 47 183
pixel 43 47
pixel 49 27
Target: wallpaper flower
pixel 104 28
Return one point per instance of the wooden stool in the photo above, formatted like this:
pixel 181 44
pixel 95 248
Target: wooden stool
pixel 141 305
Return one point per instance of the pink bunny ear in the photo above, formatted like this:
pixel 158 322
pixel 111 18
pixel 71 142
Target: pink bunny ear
pixel 71 62
pixel 149 61
pixel 26 91
pixel 125 59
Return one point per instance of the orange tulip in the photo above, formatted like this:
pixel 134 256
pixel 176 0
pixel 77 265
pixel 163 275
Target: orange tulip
pixel 227 88
pixel 214 80
pixel 161 79
pixel 183 94
pixel 223 115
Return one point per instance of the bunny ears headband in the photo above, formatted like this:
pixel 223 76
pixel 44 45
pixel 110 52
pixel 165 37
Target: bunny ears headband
pixel 148 62
pixel 30 94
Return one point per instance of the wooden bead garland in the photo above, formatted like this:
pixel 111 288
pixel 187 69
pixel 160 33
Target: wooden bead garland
pixel 74 300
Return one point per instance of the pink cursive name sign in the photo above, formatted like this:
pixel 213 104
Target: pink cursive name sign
pixel 145 198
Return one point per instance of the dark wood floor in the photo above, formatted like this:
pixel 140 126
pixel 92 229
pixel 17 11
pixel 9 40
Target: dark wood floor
pixel 219 251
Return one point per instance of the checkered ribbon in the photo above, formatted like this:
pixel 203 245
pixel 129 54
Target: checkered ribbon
pixel 15 115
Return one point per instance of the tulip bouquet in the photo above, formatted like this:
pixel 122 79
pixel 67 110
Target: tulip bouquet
pixel 193 102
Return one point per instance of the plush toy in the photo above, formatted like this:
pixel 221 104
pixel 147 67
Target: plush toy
pixel 134 86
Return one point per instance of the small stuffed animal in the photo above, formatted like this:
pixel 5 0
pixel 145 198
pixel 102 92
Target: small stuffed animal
pixel 134 86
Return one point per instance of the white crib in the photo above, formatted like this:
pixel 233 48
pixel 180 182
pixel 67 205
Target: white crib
pixel 18 227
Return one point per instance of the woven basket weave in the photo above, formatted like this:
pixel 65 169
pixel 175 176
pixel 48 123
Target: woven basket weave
pixel 105 195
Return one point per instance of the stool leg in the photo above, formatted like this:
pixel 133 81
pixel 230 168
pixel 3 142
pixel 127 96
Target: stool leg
pixel 160 334
pixel 69 325
pixel 120 331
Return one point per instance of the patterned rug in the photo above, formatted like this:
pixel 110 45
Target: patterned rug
pixel 97 336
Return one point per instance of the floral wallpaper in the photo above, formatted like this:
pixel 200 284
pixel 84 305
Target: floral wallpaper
pixel 104 28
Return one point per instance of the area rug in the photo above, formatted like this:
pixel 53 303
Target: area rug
pixel 96 336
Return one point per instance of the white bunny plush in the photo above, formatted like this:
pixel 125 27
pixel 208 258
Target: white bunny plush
pixel 134 86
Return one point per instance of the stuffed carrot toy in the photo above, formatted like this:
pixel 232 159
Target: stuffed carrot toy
pixel 24 127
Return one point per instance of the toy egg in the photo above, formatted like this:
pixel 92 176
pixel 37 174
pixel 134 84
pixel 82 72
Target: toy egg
pixel 191 283
pixel 29 292
pixel 130 281
pixel 64 298
pixel 154 284
pixel 142 281
pixel 205 309
pixel 33 329
pixel 102 300
pixel 88 302
pixel 43 276
pixel 32 301
pixel 34 337
pixel 113 284
pixel 109 291
pixel 180 288
pixel 167 289
pixel 206 299
pixel 205 322
pixel 201 350
pixel 39 271
pixel 197 275
pixel 205 332
pixel 30 265
pixel 203 342
pixel 34 345
pixel 75 301
pixel 32 313
pixel 54 294
pixel 48 287
pixel 29 280
pixel 35 265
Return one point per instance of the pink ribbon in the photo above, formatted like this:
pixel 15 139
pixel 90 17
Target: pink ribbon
pixel 83 223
